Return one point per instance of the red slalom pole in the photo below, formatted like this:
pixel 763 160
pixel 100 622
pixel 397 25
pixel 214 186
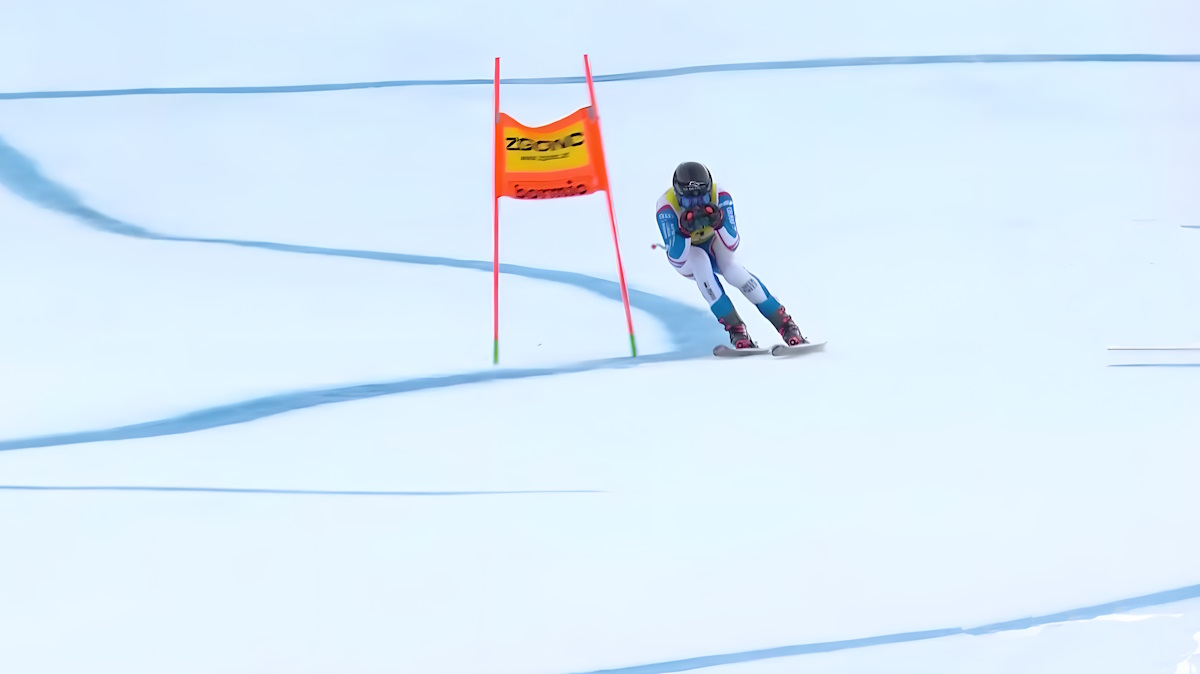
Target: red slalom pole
pixel 612 217
pixel 496 220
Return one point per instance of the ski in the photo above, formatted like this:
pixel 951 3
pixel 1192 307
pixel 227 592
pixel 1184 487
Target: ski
pixel 777 350
pixel 723 351
pixel 784 350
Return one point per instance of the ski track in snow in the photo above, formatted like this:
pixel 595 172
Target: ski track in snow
pixel 849 62
pixel 288 492
pixel 686 325
pixel 1080 614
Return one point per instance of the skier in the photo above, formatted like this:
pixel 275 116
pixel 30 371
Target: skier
pixel 699 232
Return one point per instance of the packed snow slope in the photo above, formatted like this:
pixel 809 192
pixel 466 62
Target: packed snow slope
pixel 250 420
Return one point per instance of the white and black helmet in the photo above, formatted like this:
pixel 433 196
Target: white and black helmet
pixel 692 179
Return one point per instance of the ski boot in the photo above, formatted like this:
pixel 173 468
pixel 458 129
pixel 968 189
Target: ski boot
pixel 787 328
pixel 739 335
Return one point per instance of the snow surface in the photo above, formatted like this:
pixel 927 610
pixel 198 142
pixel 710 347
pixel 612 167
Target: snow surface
pixel 251 418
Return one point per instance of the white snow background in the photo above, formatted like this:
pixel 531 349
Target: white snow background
pixel 250 421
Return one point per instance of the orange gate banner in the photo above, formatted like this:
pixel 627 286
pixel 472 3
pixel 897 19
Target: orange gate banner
pixel 561 159
pixel 564 158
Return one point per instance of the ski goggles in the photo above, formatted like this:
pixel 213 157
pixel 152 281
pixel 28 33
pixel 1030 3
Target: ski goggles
pixel 690 202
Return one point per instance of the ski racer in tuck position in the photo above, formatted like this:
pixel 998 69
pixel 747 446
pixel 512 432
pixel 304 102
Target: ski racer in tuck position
pixel 699 232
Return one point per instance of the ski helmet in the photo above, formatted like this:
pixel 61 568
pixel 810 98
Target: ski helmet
pixel 692 179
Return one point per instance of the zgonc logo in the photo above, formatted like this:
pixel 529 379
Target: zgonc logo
pixel 517 144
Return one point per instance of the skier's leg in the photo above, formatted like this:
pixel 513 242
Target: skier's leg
pixel 723 247
pixel 698 266
pixel 735 272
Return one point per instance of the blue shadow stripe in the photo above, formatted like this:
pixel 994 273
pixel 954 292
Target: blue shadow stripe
pixel 686 324
pixel 1086 613
pixel 625 77
pixel 1154 365
pixel 690 329
pixel 259 408
pixel 288 492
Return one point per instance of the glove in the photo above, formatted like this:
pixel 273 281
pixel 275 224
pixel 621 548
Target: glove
pixel 700 217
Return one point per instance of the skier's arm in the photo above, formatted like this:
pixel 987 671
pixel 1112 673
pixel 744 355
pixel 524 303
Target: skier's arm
pixel 725 203
pixel 678 246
